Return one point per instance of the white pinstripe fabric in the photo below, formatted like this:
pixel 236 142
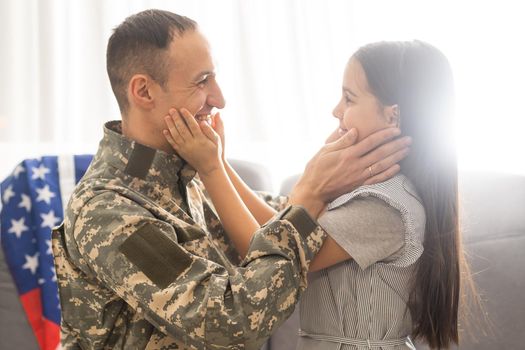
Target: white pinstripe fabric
pixel 345 307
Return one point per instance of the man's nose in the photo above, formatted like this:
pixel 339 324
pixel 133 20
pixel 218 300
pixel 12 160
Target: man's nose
pixel 215 98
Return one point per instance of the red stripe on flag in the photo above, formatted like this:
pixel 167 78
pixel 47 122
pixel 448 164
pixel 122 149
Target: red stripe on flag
pixel 52 334
pixel 33 306
pixel 47 333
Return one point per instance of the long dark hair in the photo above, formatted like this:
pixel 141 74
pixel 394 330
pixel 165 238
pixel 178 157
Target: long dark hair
pixel 418 78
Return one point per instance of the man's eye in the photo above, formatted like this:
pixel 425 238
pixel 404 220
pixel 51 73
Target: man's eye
pixel 348 99
pixel 203 82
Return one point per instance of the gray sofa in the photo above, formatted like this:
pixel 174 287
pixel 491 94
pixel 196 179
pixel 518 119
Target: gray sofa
pixel 493 219
pixel 493 222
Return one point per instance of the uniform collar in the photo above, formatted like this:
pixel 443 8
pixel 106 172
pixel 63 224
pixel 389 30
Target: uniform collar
pixel 142 162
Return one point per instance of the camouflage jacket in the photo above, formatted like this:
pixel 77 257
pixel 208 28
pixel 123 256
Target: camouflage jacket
pixel 143 262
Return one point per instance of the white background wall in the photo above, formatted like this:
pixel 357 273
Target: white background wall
pixel 280 64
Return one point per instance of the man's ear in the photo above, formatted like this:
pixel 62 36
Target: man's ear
pixel 139 91
pixel 392 115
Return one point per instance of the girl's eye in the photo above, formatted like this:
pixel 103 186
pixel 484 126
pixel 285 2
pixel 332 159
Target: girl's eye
pixel 348 100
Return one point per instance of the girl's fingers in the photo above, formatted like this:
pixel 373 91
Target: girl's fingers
pixel 170 139
pixel 217 123
pixel 208 131
pixel 180 125
pixel 190 121
pixel 183 127
pixel 172 128
pixel 218 126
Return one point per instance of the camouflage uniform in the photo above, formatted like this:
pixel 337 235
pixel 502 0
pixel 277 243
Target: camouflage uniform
pixel 143 262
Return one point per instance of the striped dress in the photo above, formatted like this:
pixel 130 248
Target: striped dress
pixel 358 305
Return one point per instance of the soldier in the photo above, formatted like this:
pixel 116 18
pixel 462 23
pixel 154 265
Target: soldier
pixel 142 260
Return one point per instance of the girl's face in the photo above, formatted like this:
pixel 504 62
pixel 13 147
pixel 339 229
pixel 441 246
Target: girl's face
pixel 358 108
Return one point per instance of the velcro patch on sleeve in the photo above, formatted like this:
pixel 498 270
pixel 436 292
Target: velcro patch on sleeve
pixel 300 219
pixel 157 256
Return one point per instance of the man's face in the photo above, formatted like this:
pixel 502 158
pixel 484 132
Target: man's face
pixel 191 80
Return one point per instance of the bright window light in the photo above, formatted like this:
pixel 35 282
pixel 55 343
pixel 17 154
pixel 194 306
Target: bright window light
pixel 280 64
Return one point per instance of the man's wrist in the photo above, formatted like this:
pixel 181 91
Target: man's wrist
pixel 312 205
pixel 299 217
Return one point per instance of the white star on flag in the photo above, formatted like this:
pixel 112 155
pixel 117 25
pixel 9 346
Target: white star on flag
pixel 49 248
pixel 8 194
pixel 18 226
pixel 40 172
pixel 54 278
pixel 19 169
pixel 25 202
pixel 49 219
pixel 31 263
pixel 44 194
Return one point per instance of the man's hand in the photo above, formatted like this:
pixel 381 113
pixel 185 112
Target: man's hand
pixel 334 136
pixel 196 142
pixel 341 166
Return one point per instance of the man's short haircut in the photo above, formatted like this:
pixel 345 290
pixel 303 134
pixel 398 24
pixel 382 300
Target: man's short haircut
pixel 140 45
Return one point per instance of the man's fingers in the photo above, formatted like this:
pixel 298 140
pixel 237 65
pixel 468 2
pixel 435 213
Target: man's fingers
pixel 375 140
pixel 334 136
pixel 383 152
pixel 344 141
pixel 384 175
pixel 386 163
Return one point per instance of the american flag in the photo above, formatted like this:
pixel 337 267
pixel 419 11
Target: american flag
pixel 32 204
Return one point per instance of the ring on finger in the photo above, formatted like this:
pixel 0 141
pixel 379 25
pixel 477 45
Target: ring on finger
pixel 370 174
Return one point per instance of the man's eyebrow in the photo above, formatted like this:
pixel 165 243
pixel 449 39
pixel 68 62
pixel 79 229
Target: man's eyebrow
pixel 345 89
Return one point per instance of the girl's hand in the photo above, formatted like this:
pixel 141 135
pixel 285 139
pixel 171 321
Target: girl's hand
pixel 218 126
pixel 196 142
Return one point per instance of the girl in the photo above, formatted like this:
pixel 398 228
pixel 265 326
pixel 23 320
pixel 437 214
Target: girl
pixel 392 265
